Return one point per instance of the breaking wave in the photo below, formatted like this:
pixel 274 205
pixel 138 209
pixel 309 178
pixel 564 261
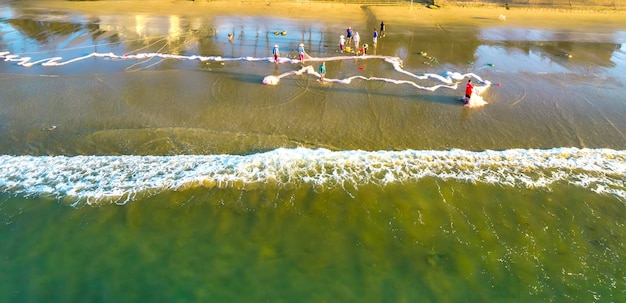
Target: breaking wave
pixel 120 179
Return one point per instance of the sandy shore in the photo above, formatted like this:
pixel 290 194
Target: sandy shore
pixel 332 11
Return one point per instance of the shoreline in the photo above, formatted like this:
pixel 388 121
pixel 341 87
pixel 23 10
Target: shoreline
pixel 204 7
pixel 530 63
pixel 337 12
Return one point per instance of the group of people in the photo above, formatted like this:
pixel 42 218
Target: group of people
pixel 354 36
pixel 343 41
pixel 469 87
pixel 301 53
pixel 276 52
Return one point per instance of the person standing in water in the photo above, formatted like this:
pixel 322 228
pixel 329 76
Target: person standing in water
pixel 356 39
pixel 342 42
pixel 349 34
pixel 301 52
pixel 322 71
pixel 382 28
pixel 276 53
pixel 375 38
pixel 468 91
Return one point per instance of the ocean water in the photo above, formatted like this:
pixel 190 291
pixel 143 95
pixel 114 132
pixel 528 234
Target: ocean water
pixel 149 158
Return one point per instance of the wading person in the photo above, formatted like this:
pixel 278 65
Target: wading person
pixel 276 53
pixel 468 91
pixel 322 71
pixel 301 52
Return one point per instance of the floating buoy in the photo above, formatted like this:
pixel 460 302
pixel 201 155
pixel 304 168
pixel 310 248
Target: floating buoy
pixel 490 64
pixel 361 68
pixel 284 33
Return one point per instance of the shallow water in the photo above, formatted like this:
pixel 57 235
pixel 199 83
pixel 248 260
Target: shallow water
pixel 430 240
pixel 163 168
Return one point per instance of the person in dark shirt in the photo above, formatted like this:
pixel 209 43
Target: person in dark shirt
pixel 348 34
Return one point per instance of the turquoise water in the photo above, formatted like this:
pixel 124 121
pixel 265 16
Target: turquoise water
pixel 150 162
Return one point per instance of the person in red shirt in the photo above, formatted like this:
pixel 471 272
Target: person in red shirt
pixel 468 91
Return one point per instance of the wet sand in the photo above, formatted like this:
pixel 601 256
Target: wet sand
pixel 168 100
pixel 415 13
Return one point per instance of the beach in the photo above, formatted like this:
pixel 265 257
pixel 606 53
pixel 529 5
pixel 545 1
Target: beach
pixel 155 151
pixel 402 13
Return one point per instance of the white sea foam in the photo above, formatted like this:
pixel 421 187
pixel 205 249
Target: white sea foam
pixel 450 80
pixel 97 179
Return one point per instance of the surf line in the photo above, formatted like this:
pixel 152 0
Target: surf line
pixel 450 80
pixel 56 61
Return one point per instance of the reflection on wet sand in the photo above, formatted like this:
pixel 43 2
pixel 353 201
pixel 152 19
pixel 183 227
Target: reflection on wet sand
pixel 453 44
pixel 231 98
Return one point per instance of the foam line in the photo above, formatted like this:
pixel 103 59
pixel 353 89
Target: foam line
pixel 119 179
pixel 56 61
pixel 449 81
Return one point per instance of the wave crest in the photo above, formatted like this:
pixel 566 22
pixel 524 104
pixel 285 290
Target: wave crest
pixel 93 179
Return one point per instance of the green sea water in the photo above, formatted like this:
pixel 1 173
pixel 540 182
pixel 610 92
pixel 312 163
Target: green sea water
pixel 428 241
pixel 172 178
